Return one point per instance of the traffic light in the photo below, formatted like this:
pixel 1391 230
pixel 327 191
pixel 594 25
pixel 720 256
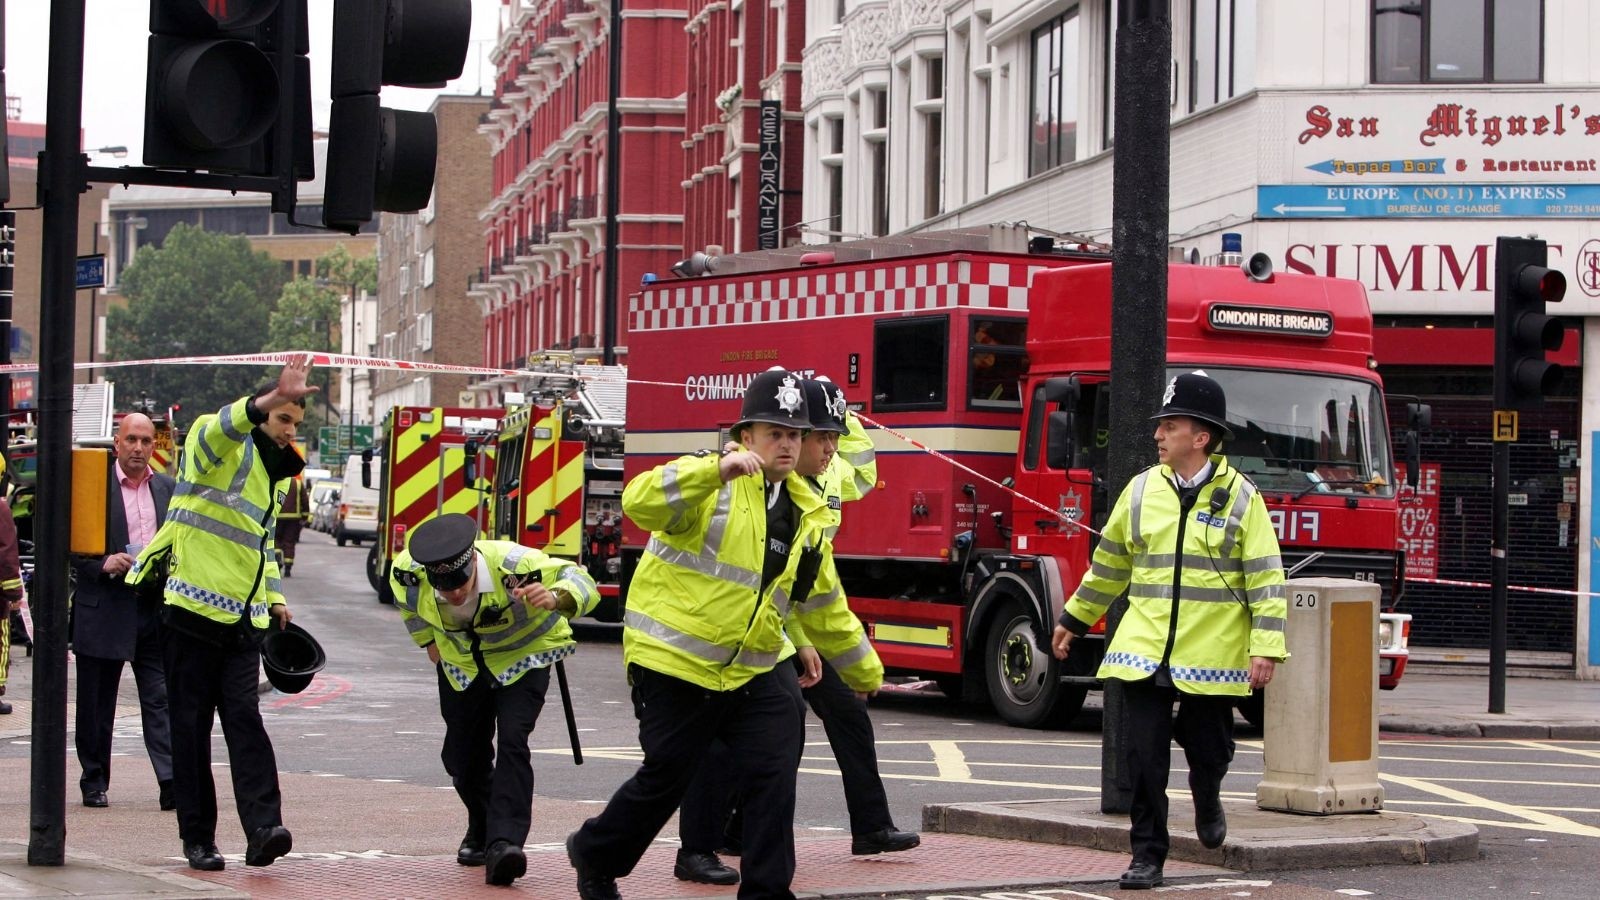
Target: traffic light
pixel 1522 331
pixel 217 76
pixel 380 158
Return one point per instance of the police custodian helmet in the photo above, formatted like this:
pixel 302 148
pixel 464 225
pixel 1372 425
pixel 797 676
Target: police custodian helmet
pixel 443 547
pixel 1196 395
pixel 826 405
pixel 291 656
pixel 776 397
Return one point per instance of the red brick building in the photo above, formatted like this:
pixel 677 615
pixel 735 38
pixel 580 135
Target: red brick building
pixel 542 285
pixel 743 129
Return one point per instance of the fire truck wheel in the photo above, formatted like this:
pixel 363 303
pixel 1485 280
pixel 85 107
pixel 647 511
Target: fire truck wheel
pixel 378 576
pixel 1024 680
pixel 1253 708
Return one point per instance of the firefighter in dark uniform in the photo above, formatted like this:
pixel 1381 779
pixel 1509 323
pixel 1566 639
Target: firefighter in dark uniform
pixel 703 632
pixel 492 616
pixel 1191 543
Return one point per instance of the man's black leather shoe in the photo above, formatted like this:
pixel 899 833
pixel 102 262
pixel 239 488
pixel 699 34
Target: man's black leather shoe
pixel 470 853
pixel 267 844
pixel 203 857
pixel 5 708
pixel 590 885
pixel 165 798
pixel 95 799
pixel 1210 825
pixel 504 863
pixel 887 840
pixel 1140 877
pixel 704 868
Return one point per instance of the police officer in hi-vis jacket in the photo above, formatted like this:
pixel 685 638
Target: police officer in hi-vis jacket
pixel 492 616
pixel 1190 541
pixel 702 635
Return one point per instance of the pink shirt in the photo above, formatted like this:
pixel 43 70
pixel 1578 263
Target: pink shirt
pixel 138 507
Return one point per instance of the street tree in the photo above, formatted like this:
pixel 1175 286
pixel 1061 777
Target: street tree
pixel 307 318
pixel 198 294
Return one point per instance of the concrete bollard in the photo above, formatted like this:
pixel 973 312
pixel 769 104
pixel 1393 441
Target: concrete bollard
pixel 1321 736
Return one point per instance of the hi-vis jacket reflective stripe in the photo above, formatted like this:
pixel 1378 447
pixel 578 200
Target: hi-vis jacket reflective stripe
pixel 824 615
pixel 513 637
pixel 696 610
pixel 219 527
pixel 1225 585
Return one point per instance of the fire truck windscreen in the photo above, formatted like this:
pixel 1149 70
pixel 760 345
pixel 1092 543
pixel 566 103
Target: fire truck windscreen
pixel 1307 433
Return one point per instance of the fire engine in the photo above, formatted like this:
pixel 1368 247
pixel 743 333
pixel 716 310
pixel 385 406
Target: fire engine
pixel 558 482
pixel 432 460
pixel 994 351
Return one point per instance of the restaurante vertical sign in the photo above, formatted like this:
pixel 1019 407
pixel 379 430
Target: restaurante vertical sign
pixel 767 226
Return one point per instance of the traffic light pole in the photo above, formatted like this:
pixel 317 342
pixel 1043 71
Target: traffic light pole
pixel 613 255
pixel 1498 575
pixel 61 180
pixel 1139 215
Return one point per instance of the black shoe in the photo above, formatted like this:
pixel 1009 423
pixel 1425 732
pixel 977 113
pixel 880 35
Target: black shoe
pixel 165 798
pixel 267 844
pixel 203 857
pixel 590 885
pixel 1140 877
pixel 1210 824
pixel 95 799
pixel 504 863
pixel 470 853
pixel 703 868
pixel 5 708
pixel 887 840
pixel 288 569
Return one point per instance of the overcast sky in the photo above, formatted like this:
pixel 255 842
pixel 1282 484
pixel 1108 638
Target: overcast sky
pixel 115 39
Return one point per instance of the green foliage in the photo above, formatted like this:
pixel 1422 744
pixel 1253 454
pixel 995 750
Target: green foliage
pixel 198 294
pixel 307 318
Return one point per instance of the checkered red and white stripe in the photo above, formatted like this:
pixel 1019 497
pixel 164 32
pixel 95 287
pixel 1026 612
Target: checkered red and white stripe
pixel 988 282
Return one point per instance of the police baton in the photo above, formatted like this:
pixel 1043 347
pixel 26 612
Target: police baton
pixel 515 581
pixel 566 706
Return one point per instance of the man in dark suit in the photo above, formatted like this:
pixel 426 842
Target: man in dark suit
pixel 114 623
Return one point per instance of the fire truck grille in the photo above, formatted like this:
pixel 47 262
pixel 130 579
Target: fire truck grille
pixel 1368 566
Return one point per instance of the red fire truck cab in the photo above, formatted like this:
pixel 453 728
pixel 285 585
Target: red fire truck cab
pixel 999 359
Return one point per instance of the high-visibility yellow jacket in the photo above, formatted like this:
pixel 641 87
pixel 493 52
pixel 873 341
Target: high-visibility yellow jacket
pixel 696 609
pixel 511 636
pixel 1204 609
pixel 824 614
pixel 218 534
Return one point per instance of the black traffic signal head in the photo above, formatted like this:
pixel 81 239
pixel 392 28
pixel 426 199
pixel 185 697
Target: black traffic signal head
pixel 216 80
pixel 379 158
pixel 1523 333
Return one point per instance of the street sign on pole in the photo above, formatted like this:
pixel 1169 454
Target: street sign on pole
pixel 92 271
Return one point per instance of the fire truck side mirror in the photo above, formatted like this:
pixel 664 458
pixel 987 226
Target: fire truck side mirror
pixel 1418 416
pixel 366 467
pixel 1062 390
pixel 1059 449
pixel 469 463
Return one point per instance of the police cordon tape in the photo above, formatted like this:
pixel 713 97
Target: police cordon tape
pixel 1448 582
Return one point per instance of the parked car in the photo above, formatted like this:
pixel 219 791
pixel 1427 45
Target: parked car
pixel 324 505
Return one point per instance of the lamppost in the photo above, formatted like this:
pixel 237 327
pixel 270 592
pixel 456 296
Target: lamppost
pixel 136 223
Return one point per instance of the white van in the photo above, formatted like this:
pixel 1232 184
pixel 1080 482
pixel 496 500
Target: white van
pixel 358 507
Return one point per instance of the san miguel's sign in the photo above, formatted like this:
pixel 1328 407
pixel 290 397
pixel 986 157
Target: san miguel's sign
pixel 770 160
pixel 1522 136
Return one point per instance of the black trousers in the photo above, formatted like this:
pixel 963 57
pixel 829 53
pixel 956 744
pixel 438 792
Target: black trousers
pixel 98 680
pixel 486 754
pixel 713 800
pixel 1203 728
pixel 678 721
pixel 206 681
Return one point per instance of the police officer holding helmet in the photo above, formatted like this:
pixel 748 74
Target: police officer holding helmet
pixel 1190 541
pixel 492 616
pixel 702 634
